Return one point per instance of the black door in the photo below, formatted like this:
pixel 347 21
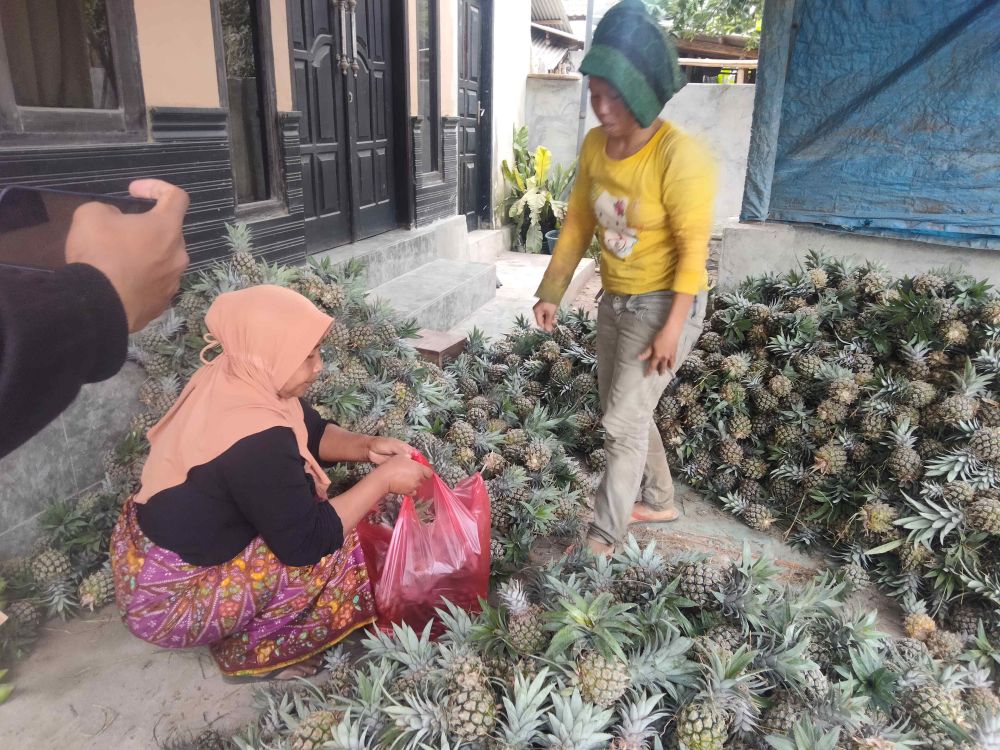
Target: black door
pixel 471 111
pixel 370 110
pixel 343 90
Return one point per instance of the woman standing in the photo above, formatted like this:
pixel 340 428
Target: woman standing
pixel 648 190
pixel 231 541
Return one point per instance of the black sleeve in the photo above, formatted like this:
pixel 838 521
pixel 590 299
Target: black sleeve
pixel 315 426
pixel 269 485
pixel 57 331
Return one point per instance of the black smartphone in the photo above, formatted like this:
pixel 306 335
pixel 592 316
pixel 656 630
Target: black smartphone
pixel 34 223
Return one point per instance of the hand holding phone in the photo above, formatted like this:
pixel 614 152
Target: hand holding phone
pixel 143 255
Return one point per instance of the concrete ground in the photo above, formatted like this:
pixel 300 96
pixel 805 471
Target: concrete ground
pixel 90 685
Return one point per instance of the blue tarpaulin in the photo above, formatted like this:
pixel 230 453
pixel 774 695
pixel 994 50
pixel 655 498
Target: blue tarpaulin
pixel 879 116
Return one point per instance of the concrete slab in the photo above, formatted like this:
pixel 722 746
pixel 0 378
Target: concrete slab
pixel 91 685
pixel 440 293
pixel 519 275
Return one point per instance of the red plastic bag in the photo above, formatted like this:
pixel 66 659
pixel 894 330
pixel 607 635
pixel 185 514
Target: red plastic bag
pixel 415 566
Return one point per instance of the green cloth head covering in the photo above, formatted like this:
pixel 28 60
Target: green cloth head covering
pixel 635 55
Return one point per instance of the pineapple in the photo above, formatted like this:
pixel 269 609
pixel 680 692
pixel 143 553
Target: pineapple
pixel 783 714
pixel 984 514
pixel 830 459
pixel 698 582
pixel 549 351
pixel 96 590
pixel 602 680
pixel 26 616
pixel 757 515
pixel 314 731
pixel 638 570
pixel 764 401
pixel 702 726
pixel 904 462
pixel 928 283
pixel 561 371
pixel 877 518
pixel 523 619
pixel 736 365
pixel 598 460
pixel 780 386
pixel 980 699
pixel 855 576
pixel 755 467
pixel 954 333
pixel 831 411
pixel 914 355
pixel 537 455
pixel 50 566
pixel 966 618
pixel 807 365
pixel 963 404
pixel 241 258
pixel 985 444
pixel 695 416
pixel 338 338
pixel 943 644
pixel 917 623
pixel 928 702
pixel 462 434
pixel 920 394
pixel 731 452
pixel 471 707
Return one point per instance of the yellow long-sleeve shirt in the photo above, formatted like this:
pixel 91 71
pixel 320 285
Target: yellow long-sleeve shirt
pixel 652 212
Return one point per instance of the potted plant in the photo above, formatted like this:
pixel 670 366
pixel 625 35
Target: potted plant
pixel 536 200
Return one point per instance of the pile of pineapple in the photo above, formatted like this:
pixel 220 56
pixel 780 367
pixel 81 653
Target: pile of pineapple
pixel 495 409
pixel 642 652
pixel 860 414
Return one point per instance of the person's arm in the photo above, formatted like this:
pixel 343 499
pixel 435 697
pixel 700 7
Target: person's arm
pixel 265 476
pixel 57 331
pixel 575 235
pixel 688 192
pixel 330 443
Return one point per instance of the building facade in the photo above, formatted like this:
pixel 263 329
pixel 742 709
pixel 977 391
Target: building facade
pixel 317 122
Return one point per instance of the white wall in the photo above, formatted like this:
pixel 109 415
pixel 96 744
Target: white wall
pixel 720 116
pixel 511 65
pixel 752 249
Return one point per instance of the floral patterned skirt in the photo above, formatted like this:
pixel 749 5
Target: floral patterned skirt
pixel 255 613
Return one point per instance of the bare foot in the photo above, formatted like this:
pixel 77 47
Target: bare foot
pixel 642 513
pixel 306 668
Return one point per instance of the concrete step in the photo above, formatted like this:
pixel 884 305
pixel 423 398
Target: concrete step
pixel 393 254
pixel 486 245
pixel 520 275
pixel 440 293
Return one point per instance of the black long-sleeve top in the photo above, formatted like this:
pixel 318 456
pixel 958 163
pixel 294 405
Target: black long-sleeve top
pixel 58 331
pixel 257 487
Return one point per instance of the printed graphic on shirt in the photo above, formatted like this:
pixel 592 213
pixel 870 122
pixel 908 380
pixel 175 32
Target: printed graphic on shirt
pixel 612 214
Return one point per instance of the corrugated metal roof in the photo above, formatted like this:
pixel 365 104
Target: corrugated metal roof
pixel 551 13
pixel 578 8
pixel 545 57
pixel 556 36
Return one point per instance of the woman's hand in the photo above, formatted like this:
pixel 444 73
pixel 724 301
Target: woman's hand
pixel 662 353
pixel 545 315
pixel 381 449
pixel 403 475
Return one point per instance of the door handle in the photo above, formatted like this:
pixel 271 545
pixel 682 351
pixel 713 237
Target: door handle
pixel 353 6
pixel 341 7
pixel 321 49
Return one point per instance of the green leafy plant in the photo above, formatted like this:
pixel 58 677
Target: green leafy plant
pixel 536 199
pixel 685 18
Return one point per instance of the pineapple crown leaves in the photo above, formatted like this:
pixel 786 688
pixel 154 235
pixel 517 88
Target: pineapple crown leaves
pixel 784 656
pixel 524 710
pixel 350 733
pixel 931 520
pixel 806 735
pixel 983 654
pixel 869 677
pixel 970 382
pixel 596 622
pixel 662 663
pixel 414 652
pixel 574 723
pixel 239 237
pixel 637 717
pixel 420 719
pixel 632 555
pixel 457 623
pixel 961 464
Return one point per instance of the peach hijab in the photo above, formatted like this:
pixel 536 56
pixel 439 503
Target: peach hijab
pixel 266 333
